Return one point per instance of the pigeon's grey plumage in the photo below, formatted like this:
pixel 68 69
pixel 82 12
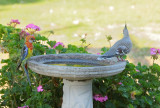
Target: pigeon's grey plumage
pixel 120 48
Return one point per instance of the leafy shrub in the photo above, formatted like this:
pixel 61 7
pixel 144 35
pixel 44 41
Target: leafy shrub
pixel 139 88
pixel 15 90
pixel 136 87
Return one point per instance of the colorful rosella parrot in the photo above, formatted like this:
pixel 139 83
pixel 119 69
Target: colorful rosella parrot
pixel 26 54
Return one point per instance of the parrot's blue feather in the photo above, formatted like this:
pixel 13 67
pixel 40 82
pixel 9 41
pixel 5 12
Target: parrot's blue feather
pixel 24 52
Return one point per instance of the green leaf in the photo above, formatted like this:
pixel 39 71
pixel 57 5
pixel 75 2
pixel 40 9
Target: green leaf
pixel 126 95
pixel 124 57
pixel 39 37
pixel 147 100
pixel 59 47
pixel 5 30
pixel 138 92
pixel 51 43
pixel 83 40
pixel 104 49
pixel 130 106
pixel 50 51
pixel 46 106
pixel 109 104
pixel 155 69
pixel 157 97
pixel 5 60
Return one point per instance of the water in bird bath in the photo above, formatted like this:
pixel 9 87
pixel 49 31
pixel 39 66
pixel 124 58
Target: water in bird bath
pixel 72 65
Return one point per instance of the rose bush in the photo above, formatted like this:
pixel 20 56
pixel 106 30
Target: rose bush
pixel 136 87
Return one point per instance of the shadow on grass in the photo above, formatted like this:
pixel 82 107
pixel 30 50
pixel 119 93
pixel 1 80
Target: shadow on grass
pixel 8 2
pixel 69 30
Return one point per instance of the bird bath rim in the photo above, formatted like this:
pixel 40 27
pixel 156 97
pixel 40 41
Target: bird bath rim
pixel 100 68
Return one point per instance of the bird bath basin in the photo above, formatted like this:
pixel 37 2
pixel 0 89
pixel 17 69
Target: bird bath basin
pixel 77 71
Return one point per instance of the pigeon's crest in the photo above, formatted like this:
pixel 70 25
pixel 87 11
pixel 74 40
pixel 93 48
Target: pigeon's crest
pixel 120 48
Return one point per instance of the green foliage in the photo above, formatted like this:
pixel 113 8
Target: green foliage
pixel 109 37
pixel 104 50
pixel 139 87
pixel 15 88
pixel 51 43
pixel 75 49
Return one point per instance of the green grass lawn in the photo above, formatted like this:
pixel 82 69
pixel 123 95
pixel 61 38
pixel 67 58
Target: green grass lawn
pixel 97 18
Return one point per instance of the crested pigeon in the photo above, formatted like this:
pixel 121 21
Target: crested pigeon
pixel 120 48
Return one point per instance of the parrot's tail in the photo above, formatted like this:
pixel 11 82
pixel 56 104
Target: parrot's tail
pixel 26 71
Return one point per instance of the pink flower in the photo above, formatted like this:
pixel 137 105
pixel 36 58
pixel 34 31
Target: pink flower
pixel 32 26
pixel 98 54
pixel 137 70
pixel 120 83
pixel 23 34
pixel 13 22
pixel 57 44
pixel 24 107
pixel 105 98
pixel 153 51
pixel 96 97
pixel 158 50
pixel 39 88
pixel 100 98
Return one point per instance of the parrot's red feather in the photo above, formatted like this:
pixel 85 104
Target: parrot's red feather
pixel 26 66
pixel 28 44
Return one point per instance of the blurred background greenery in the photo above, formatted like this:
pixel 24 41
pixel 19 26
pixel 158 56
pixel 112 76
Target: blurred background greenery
pixel 69 19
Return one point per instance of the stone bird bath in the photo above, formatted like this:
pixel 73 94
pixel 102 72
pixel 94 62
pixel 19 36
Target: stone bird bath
pixel 77 89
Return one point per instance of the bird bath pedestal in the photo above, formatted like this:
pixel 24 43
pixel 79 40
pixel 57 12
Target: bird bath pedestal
pixel 77 89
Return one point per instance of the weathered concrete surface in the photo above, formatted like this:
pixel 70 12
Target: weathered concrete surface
pixel 99 69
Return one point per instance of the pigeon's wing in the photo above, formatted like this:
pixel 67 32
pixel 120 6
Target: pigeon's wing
pixel 124 43
pixel 112 51
pixel 121 50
